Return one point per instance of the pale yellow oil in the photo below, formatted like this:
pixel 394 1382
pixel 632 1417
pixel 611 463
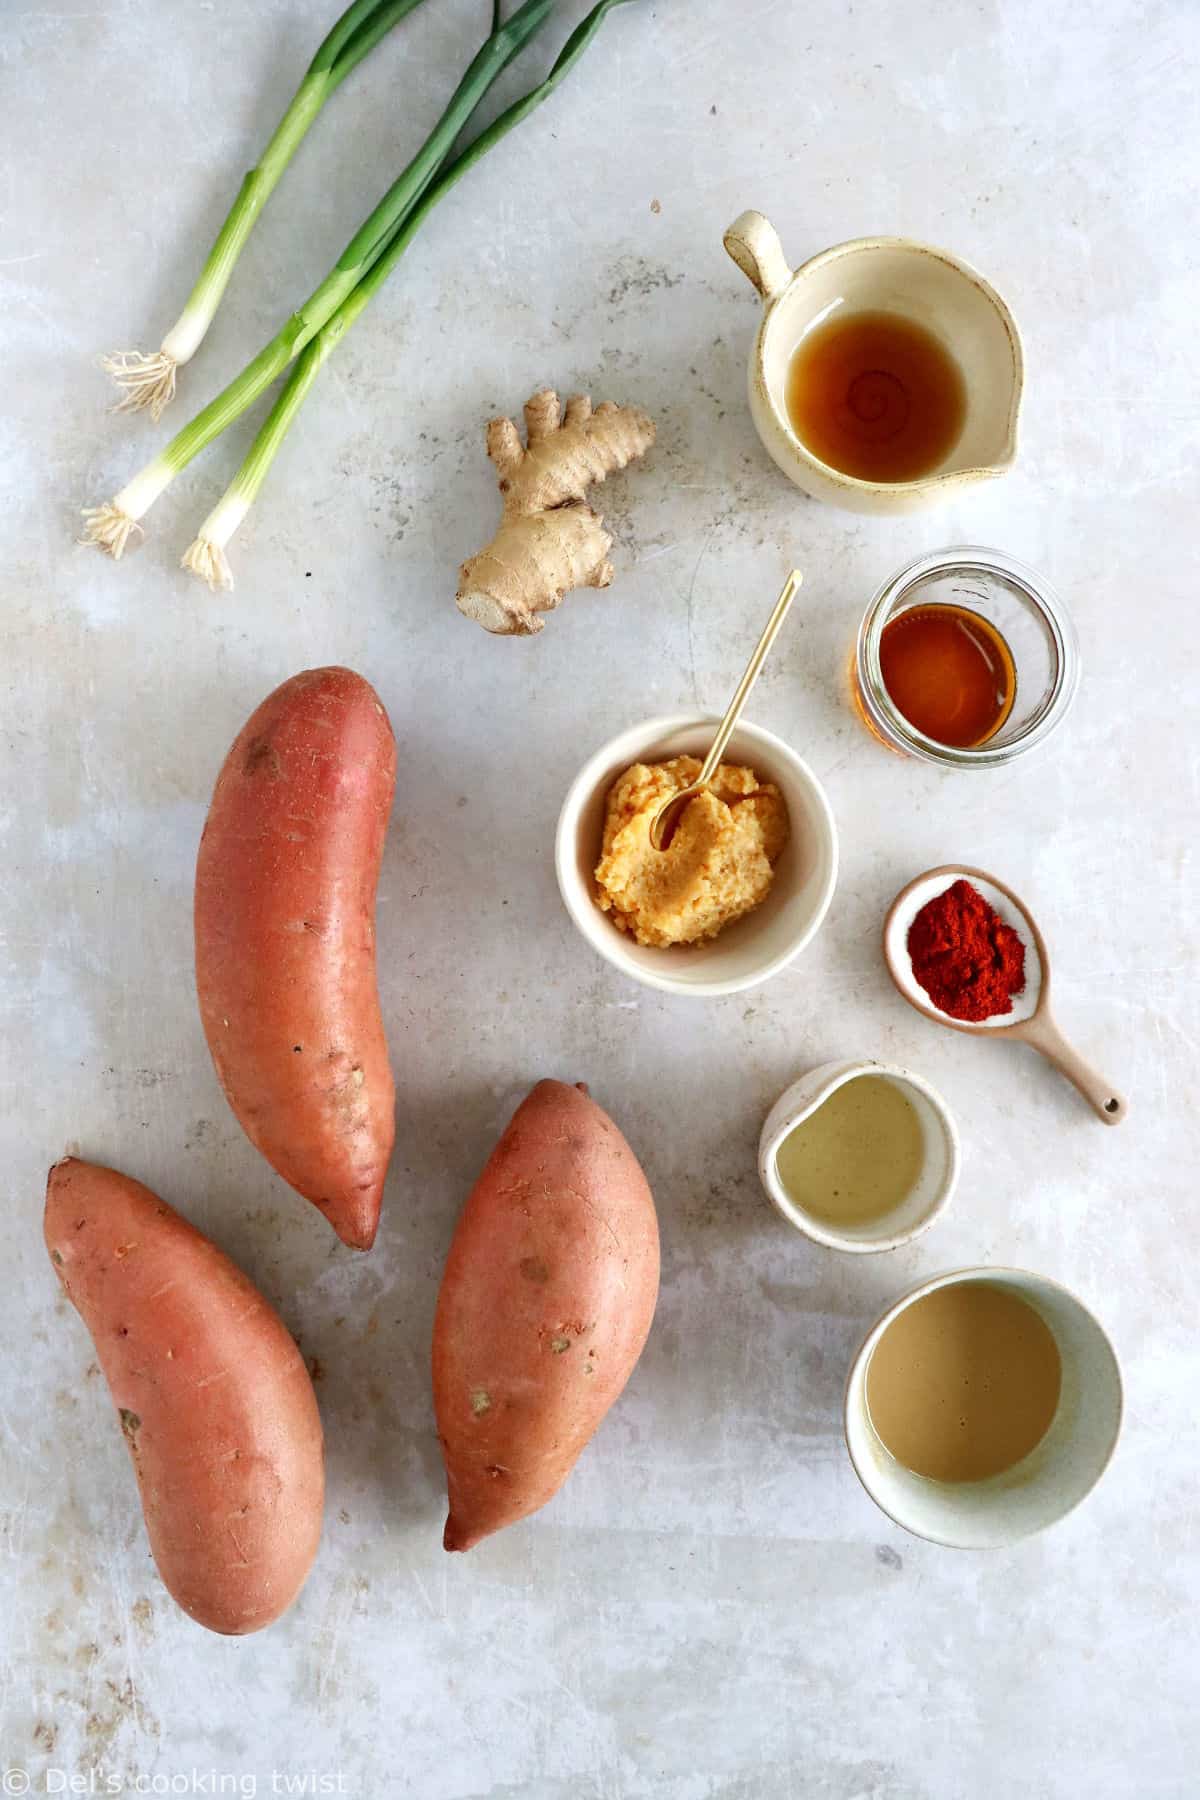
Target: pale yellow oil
pixel 857 1157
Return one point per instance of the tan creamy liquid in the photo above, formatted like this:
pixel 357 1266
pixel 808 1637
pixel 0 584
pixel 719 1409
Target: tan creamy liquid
pixel 857 1156
pixel 964 1383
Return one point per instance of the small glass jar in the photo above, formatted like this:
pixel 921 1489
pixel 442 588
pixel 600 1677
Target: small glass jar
pixel 1022 608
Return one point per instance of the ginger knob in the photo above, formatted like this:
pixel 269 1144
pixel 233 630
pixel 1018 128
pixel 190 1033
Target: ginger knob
pixel 549 541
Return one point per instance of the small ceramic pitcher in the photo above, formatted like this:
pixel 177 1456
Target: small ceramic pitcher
pixel 930 1193
pixel 928 286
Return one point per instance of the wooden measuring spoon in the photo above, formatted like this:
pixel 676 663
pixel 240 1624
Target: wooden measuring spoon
pixel 1030 1020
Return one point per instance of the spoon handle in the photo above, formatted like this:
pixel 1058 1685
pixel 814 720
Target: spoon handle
pixel 1043 1033
pixel 761 651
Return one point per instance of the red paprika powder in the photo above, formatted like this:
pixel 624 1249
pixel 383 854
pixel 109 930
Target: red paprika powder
pixel 967 959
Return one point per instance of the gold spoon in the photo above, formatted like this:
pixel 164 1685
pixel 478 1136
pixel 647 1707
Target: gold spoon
pixel 666 820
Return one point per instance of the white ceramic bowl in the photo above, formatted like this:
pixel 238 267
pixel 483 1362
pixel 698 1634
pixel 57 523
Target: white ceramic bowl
pixel 1043 1486
pixel 921 1205
pixel 753 948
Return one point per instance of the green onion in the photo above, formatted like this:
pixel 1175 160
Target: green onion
pixel 206 555
pixel 109 526
pixel 148 381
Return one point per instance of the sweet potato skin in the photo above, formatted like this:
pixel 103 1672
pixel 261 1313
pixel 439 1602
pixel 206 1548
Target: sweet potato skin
pixel 214 1400
pixel 285 941
pixel 546 1301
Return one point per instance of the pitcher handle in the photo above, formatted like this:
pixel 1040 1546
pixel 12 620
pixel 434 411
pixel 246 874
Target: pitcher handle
pixel 754 245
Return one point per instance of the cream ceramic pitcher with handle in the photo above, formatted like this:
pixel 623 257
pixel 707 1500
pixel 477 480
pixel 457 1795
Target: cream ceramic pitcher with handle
pixel 927 286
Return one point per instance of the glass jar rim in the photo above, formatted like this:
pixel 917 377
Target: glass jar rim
pixel 967 559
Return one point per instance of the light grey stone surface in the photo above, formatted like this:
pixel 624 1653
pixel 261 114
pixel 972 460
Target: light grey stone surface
pixel 712 1609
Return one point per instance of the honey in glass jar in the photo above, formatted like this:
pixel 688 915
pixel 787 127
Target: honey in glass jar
pixel 950 673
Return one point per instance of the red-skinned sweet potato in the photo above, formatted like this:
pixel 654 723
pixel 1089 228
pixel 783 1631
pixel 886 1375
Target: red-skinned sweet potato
pixel 213 1396
pixel 285 941
pixel 546 1301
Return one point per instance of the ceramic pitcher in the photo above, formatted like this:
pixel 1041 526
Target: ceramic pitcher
pixel 929 287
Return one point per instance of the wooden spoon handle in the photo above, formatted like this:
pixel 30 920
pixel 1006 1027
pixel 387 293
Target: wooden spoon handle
pixel 1044 1035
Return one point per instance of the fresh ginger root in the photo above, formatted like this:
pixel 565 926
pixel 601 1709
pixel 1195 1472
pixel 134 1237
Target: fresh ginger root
pixel 549 540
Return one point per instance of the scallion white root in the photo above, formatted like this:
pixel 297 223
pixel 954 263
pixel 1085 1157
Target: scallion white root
pixel 207 559
pixel 205 555
pixel 109 529
pixel 110 526
pixel 146 381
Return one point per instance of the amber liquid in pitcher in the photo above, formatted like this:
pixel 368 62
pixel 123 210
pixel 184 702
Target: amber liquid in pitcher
pixel 876 395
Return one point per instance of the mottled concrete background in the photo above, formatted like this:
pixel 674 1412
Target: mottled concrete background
pixel 712 1610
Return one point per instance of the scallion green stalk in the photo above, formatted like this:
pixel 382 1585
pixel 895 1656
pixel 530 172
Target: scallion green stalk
pixel 206 557
pixel 147 381
pixel 109 526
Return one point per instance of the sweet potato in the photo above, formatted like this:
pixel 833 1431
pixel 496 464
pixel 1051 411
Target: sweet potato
pixel 213 1397
pixel 285 941
pixel 545 1303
